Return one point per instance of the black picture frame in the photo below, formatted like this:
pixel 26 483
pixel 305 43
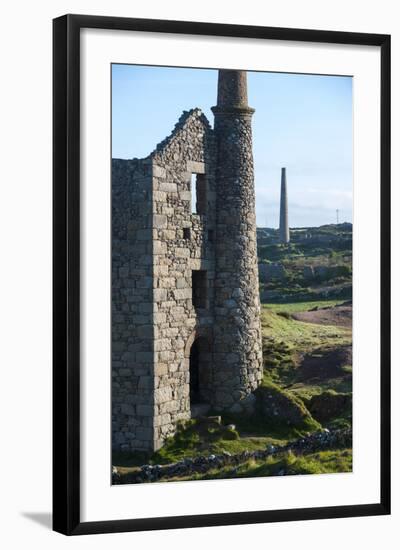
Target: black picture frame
pixel 66 272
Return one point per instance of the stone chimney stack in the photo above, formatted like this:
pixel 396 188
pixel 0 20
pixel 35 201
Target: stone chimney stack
pixel 237 329
pixel 283 218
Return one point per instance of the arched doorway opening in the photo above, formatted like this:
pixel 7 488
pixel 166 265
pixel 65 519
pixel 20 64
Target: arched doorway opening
pixel 200 376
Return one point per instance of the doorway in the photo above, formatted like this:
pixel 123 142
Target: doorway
pixel 200 376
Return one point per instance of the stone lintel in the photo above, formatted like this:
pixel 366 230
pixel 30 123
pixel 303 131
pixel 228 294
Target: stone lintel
pixel 194 167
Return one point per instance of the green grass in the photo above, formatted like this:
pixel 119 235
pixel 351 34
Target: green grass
pixel 285 344
pixel 174 451
pixel 308 389
pixel 286 341
pixel 291 410
pixel 193 440
pixel 301 306
pixel 261 430
pixel 292 336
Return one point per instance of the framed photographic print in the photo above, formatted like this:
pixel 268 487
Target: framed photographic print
pixel 221 274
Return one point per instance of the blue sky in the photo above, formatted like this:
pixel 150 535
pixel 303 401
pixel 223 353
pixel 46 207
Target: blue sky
pixel 303 122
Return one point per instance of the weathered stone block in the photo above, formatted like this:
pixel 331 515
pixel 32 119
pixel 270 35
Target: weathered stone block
pixel 145 410
pixel 168 187
pixel 185 195
pixel 158 171
pixel 160 294
pixel 144 433
pixel 144 356
pixel 162 395
pixel 123 272
pixel 145 383
pixel 182 283
pixel 127 409
pixel 162 344
pixel 145 331
pixel 159 247
pixel 182 253
pixel 182 294
pixel 160 221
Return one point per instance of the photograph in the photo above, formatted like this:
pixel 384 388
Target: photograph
pixel 231 284
pixel 198 275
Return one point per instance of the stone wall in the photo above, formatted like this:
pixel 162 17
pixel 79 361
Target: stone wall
pixel 315 442
pixel 132 305
pixel 157 243
pixel 181 244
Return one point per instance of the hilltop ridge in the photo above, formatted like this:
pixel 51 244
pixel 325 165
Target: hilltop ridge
pixel 315 265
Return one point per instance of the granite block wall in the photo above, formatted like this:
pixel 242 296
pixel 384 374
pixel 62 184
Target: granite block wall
pixel 132 305
pixel 186 327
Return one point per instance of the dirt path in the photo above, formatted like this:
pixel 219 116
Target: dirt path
pixel 340 316
pixel 324 364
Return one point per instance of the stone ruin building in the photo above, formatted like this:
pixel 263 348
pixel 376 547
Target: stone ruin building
pixel 186 333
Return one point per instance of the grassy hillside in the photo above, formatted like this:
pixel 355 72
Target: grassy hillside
pixel 292 383
pixel 317 264
pixel 307 359
pixel 307 383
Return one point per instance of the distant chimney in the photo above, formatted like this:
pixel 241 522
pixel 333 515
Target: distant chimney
pixel 283 218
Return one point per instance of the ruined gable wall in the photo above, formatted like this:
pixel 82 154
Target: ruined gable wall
pixel 190 149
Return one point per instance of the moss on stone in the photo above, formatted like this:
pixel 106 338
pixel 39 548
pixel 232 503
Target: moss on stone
pixel 281 407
